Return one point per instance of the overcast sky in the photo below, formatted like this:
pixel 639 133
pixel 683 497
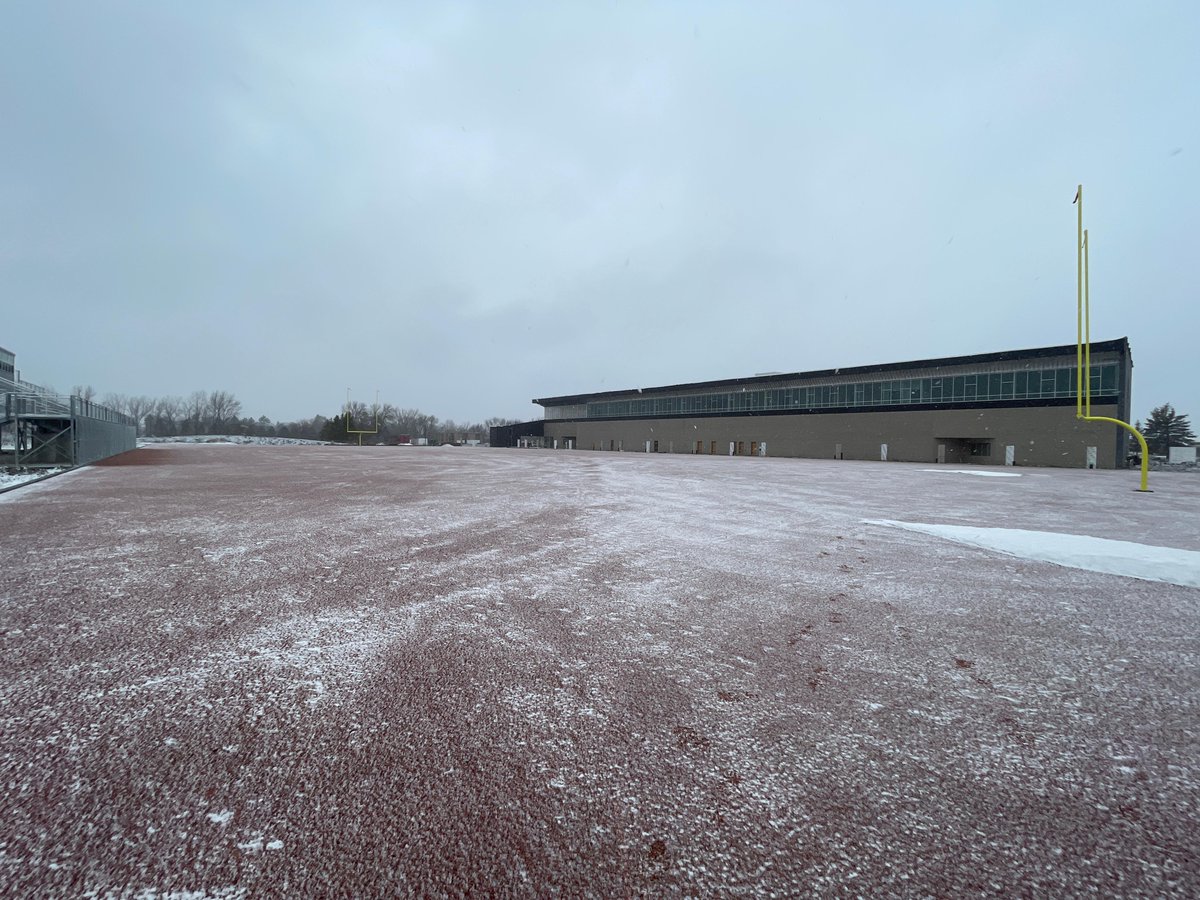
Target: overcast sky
pixel 466 206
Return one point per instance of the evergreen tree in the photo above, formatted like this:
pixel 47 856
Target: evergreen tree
pixel 1166 428
pixel 334 429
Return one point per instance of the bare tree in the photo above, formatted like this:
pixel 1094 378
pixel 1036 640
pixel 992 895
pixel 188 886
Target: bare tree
pixel 162 416
pixel 116 402
pixel 389 416
pixel 171 408
pixel 194 409
pixel 84 392
pixel 137 408
pixel 410 422
pixel 221 407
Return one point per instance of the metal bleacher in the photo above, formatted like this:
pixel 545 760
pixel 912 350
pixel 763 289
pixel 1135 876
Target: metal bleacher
pixel 43 429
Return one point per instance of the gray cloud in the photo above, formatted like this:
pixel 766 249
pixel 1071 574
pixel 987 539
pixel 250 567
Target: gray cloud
pixel 467 206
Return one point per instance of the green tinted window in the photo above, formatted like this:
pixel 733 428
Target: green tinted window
pixel 999 386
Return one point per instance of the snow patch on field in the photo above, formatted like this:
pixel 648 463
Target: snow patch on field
pixel 222 893
pixel 317 654
pixel 226 440
pixel 975 472
pixel 1075 551
pixel 12 479
pixel 300 662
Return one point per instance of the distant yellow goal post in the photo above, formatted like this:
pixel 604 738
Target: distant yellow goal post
pixel 361 431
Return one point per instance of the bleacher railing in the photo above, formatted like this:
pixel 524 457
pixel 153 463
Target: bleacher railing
pixel 73 432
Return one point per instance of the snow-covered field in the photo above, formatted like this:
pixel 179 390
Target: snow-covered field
pixel 341 671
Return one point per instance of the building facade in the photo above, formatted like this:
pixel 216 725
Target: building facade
pixel 1015 407
pixel 520 434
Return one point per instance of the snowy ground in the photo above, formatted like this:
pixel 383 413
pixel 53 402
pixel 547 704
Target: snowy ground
pixel 13 477
pixel 256 440
pixel 315 671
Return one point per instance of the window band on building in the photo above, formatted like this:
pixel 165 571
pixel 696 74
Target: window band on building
pixel 995 387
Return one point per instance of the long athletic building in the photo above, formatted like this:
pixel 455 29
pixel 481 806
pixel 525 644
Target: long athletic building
pixel 1014 408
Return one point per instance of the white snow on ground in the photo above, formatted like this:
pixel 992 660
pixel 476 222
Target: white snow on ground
pixel 8 479
pixel 228 439
pixel 661 636
pixel 223 893
pixel 971 472
pixel 1075 551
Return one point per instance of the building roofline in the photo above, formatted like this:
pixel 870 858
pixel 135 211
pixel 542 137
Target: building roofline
pixel 518 424
pixel 1118 345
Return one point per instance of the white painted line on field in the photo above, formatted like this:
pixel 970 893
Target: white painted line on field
pixel 1075 551
pixel 970 472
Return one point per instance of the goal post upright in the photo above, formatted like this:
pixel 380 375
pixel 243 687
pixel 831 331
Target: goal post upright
pixel 1083 344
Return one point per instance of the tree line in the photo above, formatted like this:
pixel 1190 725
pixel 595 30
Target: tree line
pixel 220 412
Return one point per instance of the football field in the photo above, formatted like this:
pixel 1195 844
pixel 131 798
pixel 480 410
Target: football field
pixel 235 671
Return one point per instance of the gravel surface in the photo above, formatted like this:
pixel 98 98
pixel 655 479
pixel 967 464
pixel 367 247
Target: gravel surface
pixel 343 672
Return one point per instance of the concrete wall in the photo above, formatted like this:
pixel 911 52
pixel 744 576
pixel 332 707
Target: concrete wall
pixel 1042 436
